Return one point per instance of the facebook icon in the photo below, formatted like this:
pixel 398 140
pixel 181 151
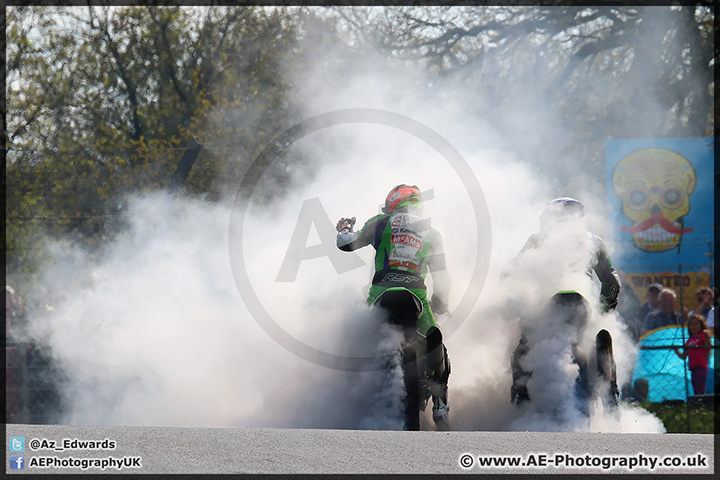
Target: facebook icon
pixel 17 462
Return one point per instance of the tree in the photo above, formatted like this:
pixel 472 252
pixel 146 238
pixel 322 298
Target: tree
pixel 592 73
pixel 103 101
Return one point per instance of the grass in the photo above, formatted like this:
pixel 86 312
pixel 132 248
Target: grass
pixel 674 415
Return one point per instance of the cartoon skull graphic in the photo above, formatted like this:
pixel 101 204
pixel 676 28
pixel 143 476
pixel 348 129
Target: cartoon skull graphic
pixel 654 185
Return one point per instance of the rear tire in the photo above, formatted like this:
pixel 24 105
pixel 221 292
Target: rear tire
pixel 607 372
pixel 412 388
pixel 582 383
pixel 518 390
pixel 404 309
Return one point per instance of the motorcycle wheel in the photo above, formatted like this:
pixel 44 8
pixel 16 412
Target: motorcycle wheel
pixel 411 379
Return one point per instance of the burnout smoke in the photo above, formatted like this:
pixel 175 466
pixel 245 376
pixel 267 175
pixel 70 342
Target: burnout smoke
pixel 313 212
pixel 162 336
pixel 161 333
pixel 387 392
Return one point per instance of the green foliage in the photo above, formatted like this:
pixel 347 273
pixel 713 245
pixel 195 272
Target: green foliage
pixel 674 416
pixel 102 102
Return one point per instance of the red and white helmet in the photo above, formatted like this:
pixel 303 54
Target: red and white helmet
pixel 403 196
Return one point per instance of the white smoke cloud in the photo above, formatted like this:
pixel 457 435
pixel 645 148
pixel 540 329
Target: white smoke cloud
pixel 163 337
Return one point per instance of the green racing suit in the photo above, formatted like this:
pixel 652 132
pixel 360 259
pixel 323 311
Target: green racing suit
pixel 406 248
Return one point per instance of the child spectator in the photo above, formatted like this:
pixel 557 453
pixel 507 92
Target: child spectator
pixel 698 356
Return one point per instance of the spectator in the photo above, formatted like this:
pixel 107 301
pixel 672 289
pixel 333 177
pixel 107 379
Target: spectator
pixel 634 315
pixel 697 348
pixel 652 300
pixel 639 391
pixel 634 319
pixel 706 306
pixel 666 316
pixel 705 299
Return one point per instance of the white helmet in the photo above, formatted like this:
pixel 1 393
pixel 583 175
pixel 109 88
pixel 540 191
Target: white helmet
pixel 561 209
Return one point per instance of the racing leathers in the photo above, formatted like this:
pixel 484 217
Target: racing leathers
pixel 596 254
pixel 571 251
pixel 407 247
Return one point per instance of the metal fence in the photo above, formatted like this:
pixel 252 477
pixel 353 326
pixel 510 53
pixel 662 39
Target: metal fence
pixel 668 376
pixel 662 374
pixel 663 384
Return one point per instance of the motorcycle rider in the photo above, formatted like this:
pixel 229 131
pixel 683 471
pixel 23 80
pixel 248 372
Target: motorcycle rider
pixel 585 251
pixel 406 248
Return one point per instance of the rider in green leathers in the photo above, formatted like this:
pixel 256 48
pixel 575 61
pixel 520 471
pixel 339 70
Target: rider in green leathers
pixel 406 248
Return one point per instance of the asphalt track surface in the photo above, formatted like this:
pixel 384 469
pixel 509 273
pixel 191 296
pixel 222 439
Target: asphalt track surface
pixel 172 450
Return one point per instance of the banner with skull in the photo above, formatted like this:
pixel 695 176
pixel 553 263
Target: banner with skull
pixel 661 211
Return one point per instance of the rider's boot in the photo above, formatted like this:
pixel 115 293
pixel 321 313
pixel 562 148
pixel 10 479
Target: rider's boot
pixel 607 372
pixel 439 373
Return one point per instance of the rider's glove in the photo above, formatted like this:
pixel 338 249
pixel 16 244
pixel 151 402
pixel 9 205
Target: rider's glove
pixel 608 304
pixel 609 298
pixel 437 305
pixel 345 225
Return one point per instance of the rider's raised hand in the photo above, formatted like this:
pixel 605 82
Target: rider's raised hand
pixel 345 225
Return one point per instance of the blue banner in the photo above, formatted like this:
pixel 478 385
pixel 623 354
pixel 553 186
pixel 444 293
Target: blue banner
pixel 660 194
pixel 661 211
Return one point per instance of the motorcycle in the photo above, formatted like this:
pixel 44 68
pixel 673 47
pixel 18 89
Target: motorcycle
pixel 423 357
pixel 558 330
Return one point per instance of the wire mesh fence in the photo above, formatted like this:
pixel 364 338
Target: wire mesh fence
pixel 670 378
pixel 662 382
pixel 663 370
